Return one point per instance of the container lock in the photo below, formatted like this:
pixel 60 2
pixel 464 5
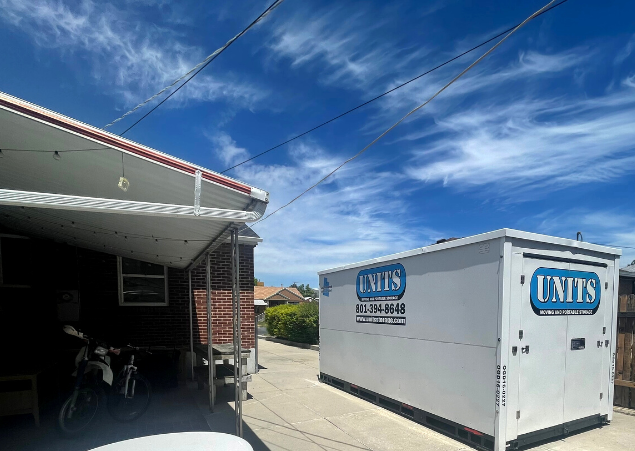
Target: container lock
pixel 525 350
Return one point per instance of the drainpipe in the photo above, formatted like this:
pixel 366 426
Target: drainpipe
pixel 192 356
pixel 238 376
pixel 210 352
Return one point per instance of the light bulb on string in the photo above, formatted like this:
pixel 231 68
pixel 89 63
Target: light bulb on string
pixel 123 184
pixel 1 154
pixel 57 156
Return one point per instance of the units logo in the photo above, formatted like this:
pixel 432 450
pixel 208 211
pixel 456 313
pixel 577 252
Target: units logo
pixel 564 292
pixel 326 287
pixel 384 283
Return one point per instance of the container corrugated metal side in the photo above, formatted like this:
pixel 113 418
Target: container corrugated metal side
pixel 429 333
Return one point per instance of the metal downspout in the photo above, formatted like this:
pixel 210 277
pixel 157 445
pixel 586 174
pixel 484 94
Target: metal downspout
pixel 192 355
pixel 210 352
pixel 238 377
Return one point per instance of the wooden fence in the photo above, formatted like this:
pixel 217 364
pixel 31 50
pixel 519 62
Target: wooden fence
pixel 624 371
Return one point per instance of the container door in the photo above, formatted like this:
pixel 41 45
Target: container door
pixel 586 342
pixel 541 350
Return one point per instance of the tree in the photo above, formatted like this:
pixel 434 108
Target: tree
pixel 305 290
pixel 256 281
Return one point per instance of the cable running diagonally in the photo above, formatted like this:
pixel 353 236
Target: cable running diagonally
pixel 385 93
pixel 195 70
pixel 340 115
pixel 414 110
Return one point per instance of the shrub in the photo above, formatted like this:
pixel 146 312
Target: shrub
pixel 277 318
pixel 294 322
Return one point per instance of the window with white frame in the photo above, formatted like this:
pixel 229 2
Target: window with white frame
pixel 142 283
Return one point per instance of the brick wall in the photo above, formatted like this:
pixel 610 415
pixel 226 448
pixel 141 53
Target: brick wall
pixel 102 315
pixel 221 297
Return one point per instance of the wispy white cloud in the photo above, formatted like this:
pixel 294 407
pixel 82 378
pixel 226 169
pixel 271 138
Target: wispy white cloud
pixel 528 144
pixel 501 131
pixel 626 51
pixel 358 214
pixel 226 149
pixel 344 46
pixel 130 56
pixel 615 228
pixel 490 80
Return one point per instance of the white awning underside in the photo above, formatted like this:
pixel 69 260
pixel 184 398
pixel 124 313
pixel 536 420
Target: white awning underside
pixel 101 216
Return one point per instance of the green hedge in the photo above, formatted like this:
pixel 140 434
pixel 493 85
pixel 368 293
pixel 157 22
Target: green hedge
pixel 298 323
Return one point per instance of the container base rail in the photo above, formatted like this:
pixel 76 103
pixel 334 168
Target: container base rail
pixel 457 431
pixel 561 430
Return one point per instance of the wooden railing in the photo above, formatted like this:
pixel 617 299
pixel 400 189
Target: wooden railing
pixel 624 374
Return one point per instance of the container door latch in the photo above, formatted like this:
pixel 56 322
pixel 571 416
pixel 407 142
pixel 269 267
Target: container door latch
pixel 525 349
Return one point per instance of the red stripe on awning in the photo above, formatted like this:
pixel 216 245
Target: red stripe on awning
pixel 110 140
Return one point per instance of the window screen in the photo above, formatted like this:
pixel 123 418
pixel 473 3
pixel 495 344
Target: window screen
pixel 142 283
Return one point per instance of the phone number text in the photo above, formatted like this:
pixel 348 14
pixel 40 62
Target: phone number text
pixel 392 309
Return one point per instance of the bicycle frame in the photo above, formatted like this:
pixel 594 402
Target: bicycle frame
pixel 129 370
pixel 78 381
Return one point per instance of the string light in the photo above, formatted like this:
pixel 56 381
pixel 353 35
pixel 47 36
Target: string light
pixel 123 184
pixel 1 154
pixel 57 156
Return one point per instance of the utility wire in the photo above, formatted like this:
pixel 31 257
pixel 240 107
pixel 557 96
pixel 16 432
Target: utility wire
pixel 387 92
pixel 194 71
pixel 318 126
pixel 447 85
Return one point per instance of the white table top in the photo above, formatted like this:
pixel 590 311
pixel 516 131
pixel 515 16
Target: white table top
pixel 185 441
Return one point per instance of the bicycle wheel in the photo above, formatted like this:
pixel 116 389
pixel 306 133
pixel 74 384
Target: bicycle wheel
pixel 129 406
pixel 74 421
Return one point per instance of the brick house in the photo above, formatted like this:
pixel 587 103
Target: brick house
pixel 76 248
pixel 272 296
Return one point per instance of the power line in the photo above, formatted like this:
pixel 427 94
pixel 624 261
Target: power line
pixel 387 92
pixel 447 85
pixel 314 128
pixel 202 65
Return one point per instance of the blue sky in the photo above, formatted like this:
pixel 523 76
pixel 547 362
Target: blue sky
pixel 539 137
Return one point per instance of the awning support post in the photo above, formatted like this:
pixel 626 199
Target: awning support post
pixel 256 341
pixel 210 352
pixel 192 355
pixel 238 376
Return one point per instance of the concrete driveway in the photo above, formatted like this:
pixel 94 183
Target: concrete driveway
pixel 291 410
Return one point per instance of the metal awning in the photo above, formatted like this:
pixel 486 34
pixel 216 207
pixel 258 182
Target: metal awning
pixel 259 302
pixel 76 199
pixel 60 180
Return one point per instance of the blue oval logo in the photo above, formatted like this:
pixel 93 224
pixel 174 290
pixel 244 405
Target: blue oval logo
pixel 384 283
pixel 565 292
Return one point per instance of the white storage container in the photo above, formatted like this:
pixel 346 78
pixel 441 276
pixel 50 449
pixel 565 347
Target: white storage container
pixel 499 339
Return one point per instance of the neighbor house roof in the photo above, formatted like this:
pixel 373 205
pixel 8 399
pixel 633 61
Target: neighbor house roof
pixel 74 197
pixel 289 293
pixel 628 271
